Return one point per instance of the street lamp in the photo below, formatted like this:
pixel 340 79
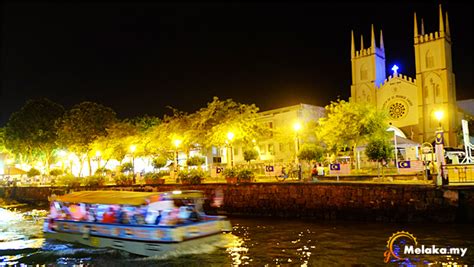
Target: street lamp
pixel 297 128
pixel 177 143
pixel 439 114
pixel 230 136
pixel 439 145
pixel 97 157
pixel 132 150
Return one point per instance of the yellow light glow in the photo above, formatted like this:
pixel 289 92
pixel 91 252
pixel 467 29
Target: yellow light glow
pixel 439 114
pixel 297 126
pixel 253 141
pixel 177 142
pixel 98 154
pixel 133 148
pixel 71 156
pixel 230 136
pixel 62 153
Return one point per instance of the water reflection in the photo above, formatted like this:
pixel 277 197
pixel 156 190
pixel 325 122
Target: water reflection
pixel 254 242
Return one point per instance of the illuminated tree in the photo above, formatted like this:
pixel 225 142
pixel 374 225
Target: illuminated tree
pixel 82 125
pixel 348 124
pixel 250 154
pixel 379 149
pixel 210 125
pixel 31 132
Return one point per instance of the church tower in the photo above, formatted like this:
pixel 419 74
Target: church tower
pixel 368 69
pixel 435 81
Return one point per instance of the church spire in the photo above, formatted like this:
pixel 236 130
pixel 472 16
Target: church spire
pixel 372 39
pixel 422 27
pixel 441 23
pixel 447 25
pixel 362 42
pixel 352 45
pixel 415 28
pixel 381 40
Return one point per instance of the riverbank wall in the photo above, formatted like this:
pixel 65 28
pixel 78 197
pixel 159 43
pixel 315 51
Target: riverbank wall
pixel 326 201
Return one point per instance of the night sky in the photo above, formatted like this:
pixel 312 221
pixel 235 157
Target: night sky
pixel 140 58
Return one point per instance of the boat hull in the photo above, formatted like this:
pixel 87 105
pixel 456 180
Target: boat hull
pixel 142 240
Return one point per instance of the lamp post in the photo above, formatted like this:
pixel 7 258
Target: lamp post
pixel 132 151
pixel 439 146
pixel 97 157
pixel 297 128
pixel 430 147
pixel 62 154
pixel 230 137
pixel 177 143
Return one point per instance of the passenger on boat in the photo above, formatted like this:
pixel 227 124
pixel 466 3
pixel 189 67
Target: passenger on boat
pixel 109 216
pixel 194 215
pixel 123 216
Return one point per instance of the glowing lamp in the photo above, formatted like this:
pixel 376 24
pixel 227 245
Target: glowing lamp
pixel 230 136
pixel 297 126
pixel 177 142
pixel 439 115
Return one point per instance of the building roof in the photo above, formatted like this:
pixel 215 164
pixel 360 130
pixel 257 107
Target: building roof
pixel 467 106
pixel 124 197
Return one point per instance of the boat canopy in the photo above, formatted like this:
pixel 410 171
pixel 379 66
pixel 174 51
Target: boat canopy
pixel 125 197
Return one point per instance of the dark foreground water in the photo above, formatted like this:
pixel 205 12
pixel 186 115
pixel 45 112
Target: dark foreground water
pixel 254 242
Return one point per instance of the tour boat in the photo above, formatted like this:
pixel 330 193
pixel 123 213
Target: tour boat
pixel 84 217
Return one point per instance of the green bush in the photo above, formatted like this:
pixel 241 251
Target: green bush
pixel 68 180
pixel 159 162
pixel 230 173
pixel 123 179
pixel 245 176
pixel 33 172
pixel 94 181
pixel 195 161
pixel 250 154
pixel 102 171
pixel 127 167
pixel 192 176
pixel 56 172
pixel 154 178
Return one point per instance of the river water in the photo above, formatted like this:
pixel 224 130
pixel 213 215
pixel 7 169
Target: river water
pixel 254 242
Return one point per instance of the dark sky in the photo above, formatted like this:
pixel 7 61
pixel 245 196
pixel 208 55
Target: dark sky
pixel 140 58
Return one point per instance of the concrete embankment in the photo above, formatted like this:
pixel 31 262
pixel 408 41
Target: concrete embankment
pixel 341 201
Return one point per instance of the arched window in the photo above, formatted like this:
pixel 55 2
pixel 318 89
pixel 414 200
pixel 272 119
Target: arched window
pixel 429 59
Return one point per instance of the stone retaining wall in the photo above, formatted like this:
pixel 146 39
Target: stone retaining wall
pixel 366 202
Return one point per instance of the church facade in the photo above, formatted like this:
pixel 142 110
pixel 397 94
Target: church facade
pixel 411 102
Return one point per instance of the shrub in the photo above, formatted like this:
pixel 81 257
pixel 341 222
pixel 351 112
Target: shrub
pixel 102 171
pixel 311 152
pixel 154 178
pixel 195 161
pixel 123 179
pixel 159 162
pixel 33 172
pixel 94 181
pixel 229 173
pixel 69 180
pixel 127 167
pixel 245 176
pixel 56 172
pixel 250 154
pixel 191 177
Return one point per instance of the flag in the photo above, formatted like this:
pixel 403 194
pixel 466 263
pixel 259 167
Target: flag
pixel 406 166
pixel 339 169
